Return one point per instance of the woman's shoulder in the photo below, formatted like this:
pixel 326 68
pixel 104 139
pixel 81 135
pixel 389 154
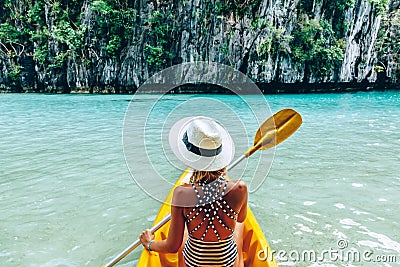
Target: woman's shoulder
pixel 237 186
pixel 236 193
pixel 184 193
pixel 183 190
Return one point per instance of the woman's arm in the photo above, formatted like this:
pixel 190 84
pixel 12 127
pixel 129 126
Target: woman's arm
pixel 176 229
pixel 242 188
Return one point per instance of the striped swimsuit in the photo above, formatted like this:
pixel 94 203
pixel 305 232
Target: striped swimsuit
pixel 198 252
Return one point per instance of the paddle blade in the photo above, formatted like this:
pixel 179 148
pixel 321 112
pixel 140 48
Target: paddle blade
pixel 275 130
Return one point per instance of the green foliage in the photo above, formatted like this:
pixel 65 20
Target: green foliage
pixel 65 34
pixel 9 34
pixel 319 44
pixel 40 54
pixel 14 74
pixel 11 40
pixel 315 45
pixel 332 10
pixel 387 43
pixel 381 6
pixel 59 60
pixel 224 49
pixel 102 7
pixel 65 30
pixel 114 45
pixel 156 55
pixel 160 26
pixel 114 25
pixel 115 22
pixel 38 34
pixel 264 47
pixel 161 32
pixel 337 9
pixel 239 8
pixel 275 42
pixel 259 24
pixel 36 14
pixel 339 5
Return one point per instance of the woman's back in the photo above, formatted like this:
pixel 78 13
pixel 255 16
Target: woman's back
pixel 211 219
pixel 214 208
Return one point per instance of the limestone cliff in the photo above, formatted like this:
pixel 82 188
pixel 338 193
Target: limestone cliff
pixel 114 46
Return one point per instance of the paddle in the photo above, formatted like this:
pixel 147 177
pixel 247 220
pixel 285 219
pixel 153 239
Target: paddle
pixel 273 131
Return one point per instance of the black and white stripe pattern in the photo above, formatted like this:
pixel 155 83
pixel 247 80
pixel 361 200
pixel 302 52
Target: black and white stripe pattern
pixel 199 253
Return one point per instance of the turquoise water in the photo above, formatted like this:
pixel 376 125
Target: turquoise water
pixel 67 197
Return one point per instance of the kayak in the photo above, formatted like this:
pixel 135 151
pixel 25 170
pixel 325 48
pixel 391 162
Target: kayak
pixel 256 250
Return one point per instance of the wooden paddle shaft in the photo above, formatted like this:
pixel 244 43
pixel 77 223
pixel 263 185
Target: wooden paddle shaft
pixel 236 162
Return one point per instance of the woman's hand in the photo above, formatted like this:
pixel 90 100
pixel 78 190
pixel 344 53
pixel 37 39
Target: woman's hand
pixel 145 237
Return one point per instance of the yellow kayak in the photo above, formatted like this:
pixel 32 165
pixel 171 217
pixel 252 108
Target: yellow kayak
pixel 256 251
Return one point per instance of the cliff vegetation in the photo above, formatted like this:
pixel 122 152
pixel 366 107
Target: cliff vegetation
pixel 113 46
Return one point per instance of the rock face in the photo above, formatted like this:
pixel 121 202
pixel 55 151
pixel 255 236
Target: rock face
pixel 96 46
pixel 360 55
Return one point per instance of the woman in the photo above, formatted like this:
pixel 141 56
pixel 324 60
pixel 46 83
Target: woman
pixel 210 207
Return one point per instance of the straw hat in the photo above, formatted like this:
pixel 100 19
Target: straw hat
pixel 201 143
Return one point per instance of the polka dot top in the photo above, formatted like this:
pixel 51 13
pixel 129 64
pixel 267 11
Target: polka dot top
pixel 208 203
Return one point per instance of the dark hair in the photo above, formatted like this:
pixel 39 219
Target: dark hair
pixel 206 176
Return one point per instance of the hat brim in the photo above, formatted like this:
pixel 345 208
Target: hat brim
pixel 195 161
